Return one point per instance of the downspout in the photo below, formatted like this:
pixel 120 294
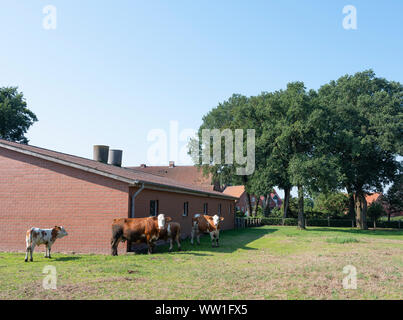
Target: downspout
pixel 132 211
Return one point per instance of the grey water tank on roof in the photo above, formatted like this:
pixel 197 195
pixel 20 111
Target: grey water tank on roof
pixel 115 157
pixel 101 153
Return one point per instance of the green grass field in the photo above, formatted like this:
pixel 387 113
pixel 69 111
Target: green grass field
pixel 258 263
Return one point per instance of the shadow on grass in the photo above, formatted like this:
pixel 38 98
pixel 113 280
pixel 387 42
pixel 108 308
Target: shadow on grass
pixel 230 241
pixel 64 258
pixel 371 232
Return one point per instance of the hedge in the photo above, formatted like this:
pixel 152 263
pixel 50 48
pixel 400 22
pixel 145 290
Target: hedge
pixel 327 223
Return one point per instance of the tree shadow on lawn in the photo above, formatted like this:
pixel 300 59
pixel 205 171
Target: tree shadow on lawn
pixel 230 241
pixel 371 232
pixel 65 258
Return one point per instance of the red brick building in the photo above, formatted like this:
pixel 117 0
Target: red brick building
pixel 44 188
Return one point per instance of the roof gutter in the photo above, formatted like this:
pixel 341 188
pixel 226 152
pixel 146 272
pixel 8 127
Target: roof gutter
pixel 166 188
pixel 132 212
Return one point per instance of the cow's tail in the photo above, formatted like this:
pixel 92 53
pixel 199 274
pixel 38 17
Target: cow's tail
pixel 28 239
pixel 194 222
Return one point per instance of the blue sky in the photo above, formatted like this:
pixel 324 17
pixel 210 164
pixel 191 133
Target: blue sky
pixel 114 70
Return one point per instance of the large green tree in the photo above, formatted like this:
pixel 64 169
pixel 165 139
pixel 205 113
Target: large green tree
pixel 334 204
pixel 229 115
pixel 15 117
pixel 364 121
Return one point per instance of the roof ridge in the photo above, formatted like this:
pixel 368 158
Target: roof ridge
pixel 107 169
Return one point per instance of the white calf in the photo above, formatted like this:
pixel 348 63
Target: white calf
pixel 36 237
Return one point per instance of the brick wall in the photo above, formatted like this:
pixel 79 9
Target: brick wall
pixel 40 193
pixel 171 204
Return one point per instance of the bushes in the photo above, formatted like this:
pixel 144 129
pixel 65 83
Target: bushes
pixel 375 212
pixel 385 224
pixel 279 221
pixel 342 223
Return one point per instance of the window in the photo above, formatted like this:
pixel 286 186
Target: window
pixel 185 209
pixel 219 209
pixel 154 208
pixel 205 208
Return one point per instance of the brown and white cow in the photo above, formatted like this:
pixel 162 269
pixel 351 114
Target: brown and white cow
pixel 172 232
pixel 136 230
pixel 36 236
pixel 202 223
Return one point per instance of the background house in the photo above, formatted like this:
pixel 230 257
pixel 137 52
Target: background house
pixel 241 205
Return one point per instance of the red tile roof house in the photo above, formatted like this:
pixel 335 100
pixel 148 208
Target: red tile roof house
pixel 43 188
pixel 241 204
pixel 378 197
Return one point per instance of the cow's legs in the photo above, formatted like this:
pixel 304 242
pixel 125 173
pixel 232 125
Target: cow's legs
pixel 31 250
pixel 212 236
pixel 26 254
pixel 192 236
pixel 114 245
pixel 198 236
pixel 170 244
pixel 149 244
pixel 49 247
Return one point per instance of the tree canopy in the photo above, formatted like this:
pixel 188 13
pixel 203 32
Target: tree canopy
pixel 346 135
pixel 15 117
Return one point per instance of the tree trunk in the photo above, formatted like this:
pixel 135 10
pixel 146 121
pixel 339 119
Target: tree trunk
pixel 265 205
pixel 361 210
pixel 287 192
pixel 351 204
pixel 256 207
pixel 301 219
pixel 248 204
pixel 389 216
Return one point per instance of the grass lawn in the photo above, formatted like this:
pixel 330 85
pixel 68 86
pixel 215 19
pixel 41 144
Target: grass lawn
pixel 268 262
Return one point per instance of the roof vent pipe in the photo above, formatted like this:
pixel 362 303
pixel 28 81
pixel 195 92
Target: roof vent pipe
pixel 101 153
pixel 115 157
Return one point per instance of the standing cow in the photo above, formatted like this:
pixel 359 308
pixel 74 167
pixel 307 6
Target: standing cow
pixel 137 230
pixel 172 232
pixel 202 223
pixel 35 237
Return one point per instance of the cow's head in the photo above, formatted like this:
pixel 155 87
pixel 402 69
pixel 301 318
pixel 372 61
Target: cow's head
pixel 59 231
pixel 216 220
pixel 162 220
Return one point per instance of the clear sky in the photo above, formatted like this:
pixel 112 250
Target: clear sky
pixel 112 71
